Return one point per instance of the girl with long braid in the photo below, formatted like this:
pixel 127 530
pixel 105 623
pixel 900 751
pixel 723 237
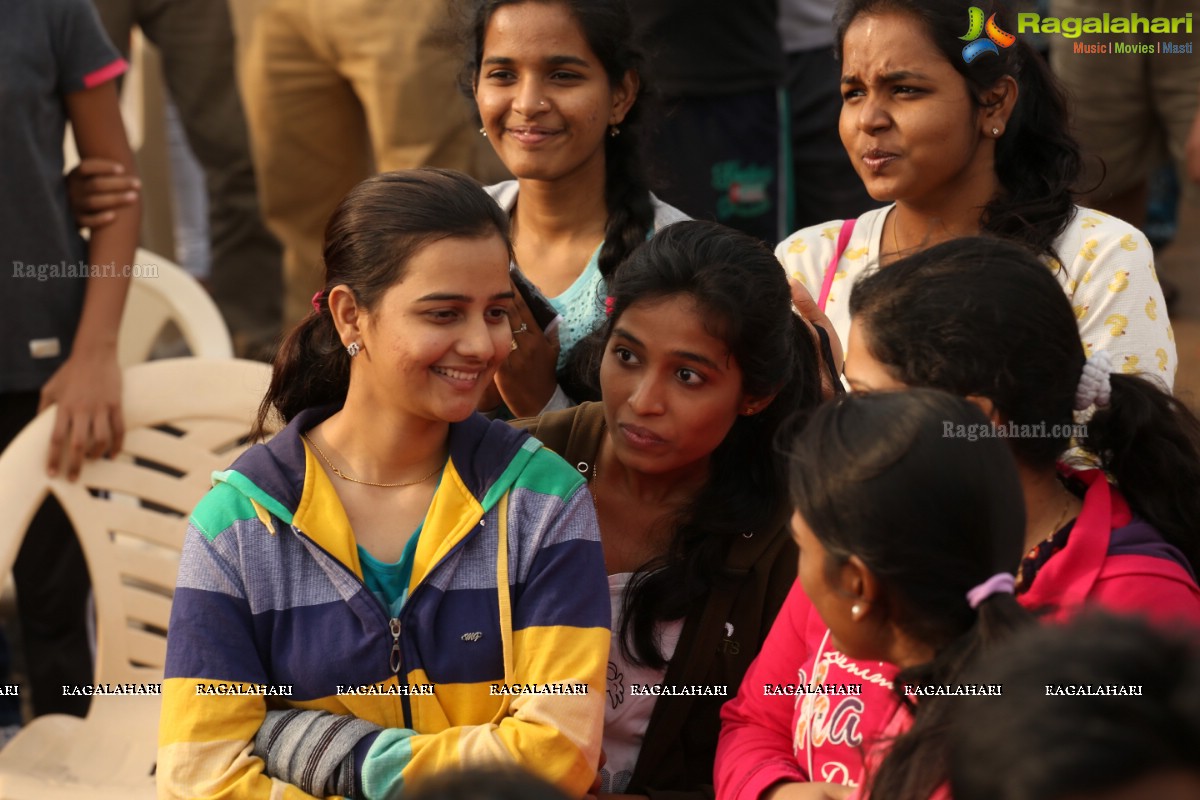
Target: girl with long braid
pixel 559 86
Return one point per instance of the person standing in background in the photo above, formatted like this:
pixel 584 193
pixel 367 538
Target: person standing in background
pixel 195 38
pixel 968 148
pixel 61 301
pixel 719 68
pixel 557 87
pixel 824 183
pixel 334 92
pixel 1133 110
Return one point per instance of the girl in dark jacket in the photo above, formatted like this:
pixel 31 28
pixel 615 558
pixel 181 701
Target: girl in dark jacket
pixel 701 359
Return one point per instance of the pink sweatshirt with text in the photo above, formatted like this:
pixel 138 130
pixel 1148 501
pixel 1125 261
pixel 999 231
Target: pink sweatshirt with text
pixel 806 712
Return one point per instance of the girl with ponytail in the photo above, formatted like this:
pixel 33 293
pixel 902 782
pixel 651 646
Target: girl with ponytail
pixel 984 319
pixel 967 138
pixel 560 91
pixel 907 540
pixel 343 558
pixel 1111 521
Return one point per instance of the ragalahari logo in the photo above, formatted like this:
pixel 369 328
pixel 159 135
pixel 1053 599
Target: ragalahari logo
pixel 996 37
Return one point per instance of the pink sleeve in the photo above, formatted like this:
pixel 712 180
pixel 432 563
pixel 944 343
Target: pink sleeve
pixel 755 750
pixel 106 73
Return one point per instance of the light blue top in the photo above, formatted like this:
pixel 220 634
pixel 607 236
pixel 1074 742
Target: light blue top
pixel 581 307
pixel 582 304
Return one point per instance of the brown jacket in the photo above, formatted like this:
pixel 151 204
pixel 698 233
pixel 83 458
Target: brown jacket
pixel 719 638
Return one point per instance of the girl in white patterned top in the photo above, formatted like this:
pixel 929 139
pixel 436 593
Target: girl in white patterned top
pixel 964 148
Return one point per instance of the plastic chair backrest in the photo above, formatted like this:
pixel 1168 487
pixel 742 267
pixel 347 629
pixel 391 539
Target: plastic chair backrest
pixel 184 418
pixel 161 291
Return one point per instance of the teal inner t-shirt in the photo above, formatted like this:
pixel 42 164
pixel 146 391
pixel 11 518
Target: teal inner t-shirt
pixel 389 582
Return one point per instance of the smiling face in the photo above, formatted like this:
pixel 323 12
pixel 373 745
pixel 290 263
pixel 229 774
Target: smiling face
pixel 544 96
pixel 908 121
pixel 671 389
pixel 434 340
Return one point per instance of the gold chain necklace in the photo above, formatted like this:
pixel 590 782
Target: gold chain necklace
pixel 346 477
pixel 1062 518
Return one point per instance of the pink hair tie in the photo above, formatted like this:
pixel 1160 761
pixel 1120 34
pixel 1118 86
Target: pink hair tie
pixel 317 301
pixel 609 302
pixel 1001 582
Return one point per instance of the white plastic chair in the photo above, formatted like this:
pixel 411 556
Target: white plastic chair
pixel 161 291
pixel 184 418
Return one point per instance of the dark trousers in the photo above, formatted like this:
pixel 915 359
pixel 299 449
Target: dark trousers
pixel 717 158
pixel 824 184
pixel 52 589
pixel 196 40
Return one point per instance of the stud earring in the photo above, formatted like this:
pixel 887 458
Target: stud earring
pixel 995 131
pixel 856 610
pixel 353 349
pixel 484 132
pixel 749 410
pixel 614 131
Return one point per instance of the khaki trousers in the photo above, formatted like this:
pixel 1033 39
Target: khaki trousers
pixel 195 38
pixel 333 93
pixel 1132 110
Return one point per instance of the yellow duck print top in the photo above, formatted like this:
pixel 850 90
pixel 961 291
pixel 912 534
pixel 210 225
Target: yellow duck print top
pixel 1105 266
pixel 1117 323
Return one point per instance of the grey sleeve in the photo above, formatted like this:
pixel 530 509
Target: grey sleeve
pixel 312 750
pixel 84 54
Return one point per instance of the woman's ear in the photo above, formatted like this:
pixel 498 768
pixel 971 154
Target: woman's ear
pixel 624 95
pixel 755 404
pixel 859 585
pixel 348 316
pixel 996 107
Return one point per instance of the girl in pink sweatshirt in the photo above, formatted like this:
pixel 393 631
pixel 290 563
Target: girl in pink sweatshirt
pixel 986 320
pixel 921 585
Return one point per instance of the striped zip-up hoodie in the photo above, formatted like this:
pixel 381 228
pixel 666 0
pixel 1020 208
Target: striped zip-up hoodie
pixel 508 587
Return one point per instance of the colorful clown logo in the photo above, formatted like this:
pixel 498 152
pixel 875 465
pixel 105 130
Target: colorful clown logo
pixel 996 37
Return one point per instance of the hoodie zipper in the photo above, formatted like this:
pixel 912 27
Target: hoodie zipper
pixel 393 623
